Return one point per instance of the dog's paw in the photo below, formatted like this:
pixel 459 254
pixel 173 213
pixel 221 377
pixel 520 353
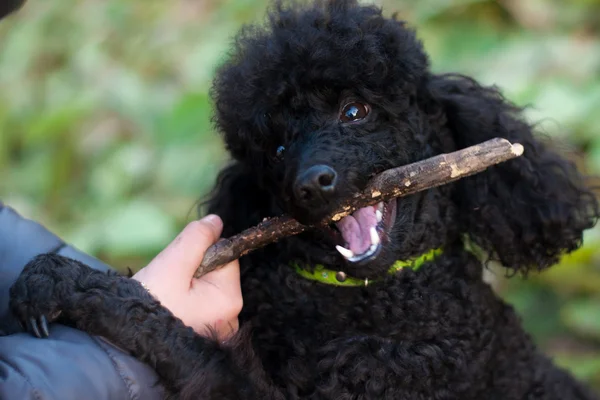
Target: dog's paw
pixel 36 297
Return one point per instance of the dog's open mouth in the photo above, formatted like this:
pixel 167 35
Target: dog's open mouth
pixel 364 231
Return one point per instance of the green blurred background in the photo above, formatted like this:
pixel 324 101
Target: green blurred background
pixel 105 132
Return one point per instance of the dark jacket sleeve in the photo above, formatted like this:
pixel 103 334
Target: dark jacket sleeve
pixel 70 364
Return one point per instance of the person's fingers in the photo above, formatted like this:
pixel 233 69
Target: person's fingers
pixel 222 329
pixel 223 284
pixel 185 253
pixel 230 329
pixel 213 301
pixel 226 276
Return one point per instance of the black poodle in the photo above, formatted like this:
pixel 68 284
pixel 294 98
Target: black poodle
pixel 388 303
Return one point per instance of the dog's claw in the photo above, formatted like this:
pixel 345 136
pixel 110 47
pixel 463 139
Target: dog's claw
pixel 33 327
pixel 44 326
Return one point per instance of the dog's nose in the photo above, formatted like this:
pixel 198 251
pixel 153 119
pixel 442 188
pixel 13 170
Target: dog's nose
pixel 315 184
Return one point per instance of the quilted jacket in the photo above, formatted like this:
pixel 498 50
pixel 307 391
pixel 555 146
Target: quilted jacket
pixel 69 365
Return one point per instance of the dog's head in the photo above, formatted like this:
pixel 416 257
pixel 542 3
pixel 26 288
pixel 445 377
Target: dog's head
pixel 325 96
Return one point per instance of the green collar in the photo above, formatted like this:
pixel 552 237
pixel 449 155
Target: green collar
pixel 339 278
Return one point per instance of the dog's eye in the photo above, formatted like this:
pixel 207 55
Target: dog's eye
pixel 279 153
pixel 354 111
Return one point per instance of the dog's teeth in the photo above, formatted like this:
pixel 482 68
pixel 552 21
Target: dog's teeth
pixel 380 206
pixel 379 215
pixel 345 252
pixel 374 236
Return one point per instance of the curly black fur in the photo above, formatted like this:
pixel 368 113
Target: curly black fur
pixel 436 333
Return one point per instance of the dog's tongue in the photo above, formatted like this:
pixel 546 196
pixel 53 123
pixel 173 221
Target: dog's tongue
pixel 355 229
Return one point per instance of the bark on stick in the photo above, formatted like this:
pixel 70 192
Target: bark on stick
pixel 392 183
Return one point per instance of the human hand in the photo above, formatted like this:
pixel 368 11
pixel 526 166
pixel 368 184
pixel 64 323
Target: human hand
pixel 212 302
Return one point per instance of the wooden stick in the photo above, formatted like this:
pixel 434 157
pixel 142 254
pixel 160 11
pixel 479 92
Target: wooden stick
pixel 393 183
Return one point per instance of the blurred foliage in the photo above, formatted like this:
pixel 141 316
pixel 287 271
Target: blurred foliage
pixel 105 132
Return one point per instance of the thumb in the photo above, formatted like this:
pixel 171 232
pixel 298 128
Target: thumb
pixel 184 254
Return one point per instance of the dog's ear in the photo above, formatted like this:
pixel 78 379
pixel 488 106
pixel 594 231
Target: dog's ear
pixel 237 199
pixel 528 211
